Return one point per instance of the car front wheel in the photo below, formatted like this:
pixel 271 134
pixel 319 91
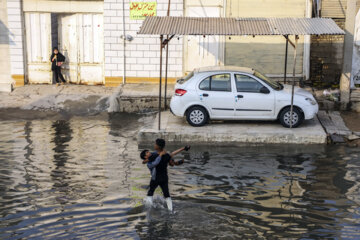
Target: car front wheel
pixel 296 119
pixel 197 116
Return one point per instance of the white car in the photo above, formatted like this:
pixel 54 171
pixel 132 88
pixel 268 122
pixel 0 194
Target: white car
pixel 236 93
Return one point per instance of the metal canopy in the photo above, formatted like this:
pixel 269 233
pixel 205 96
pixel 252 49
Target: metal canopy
pixel 239 26
pixel 171 26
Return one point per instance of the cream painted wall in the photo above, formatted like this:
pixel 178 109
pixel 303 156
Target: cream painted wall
pixel 265 8
pixel 207 3
pixel 62 6
pixel 265 53
pixel 200 51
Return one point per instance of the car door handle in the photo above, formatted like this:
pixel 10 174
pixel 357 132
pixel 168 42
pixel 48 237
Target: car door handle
pixel 205 95
pixel 240 96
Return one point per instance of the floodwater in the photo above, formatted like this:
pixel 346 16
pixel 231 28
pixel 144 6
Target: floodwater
pixel 81 178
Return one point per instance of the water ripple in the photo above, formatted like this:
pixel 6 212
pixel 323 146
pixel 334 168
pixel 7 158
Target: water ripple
pixel 80 178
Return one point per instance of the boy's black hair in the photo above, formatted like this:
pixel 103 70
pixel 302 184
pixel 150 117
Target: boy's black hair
pixel 160 142
pixel 143 153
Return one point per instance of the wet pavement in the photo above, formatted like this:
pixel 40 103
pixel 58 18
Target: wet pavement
pixel 79 177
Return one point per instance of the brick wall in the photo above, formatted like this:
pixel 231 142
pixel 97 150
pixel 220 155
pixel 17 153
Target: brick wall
pixel 16 41
pixel 326 58
pixel 142 53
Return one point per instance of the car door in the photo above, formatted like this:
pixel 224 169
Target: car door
pixel 253 99
pixel 215 92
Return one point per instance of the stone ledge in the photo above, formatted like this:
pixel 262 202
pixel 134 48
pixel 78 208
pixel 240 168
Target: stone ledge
pixel 6 87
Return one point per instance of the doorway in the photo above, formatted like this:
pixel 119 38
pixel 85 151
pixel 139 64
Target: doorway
pixel 79 38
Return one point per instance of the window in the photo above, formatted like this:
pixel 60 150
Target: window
pixel 275 85
pixel 219 82
pixel 205 84
pixel 185 78
pixel 247 84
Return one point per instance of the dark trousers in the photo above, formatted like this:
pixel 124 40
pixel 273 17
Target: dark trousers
pixel 57 74
pixel 164 185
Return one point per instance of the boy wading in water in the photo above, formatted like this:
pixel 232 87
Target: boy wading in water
pixel 57 59
pixel 157 163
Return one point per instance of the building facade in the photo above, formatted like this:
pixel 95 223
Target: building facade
pixel 102 47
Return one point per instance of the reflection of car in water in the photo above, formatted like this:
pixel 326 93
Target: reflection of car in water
pixel 236 93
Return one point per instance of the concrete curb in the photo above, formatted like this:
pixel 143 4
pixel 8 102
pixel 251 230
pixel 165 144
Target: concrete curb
pixel 176 131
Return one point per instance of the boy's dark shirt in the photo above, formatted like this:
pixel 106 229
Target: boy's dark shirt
pixel 161 168
pixel 153 156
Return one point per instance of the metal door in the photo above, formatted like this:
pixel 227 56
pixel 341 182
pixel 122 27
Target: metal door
pixel 249 102
pixel 202 51
pixel 81 41
pixel 91 52
pixel 215 92
pixel 69 46
pixel 38 42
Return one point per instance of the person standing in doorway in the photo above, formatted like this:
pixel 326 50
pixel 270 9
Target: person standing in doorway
pixel 57 59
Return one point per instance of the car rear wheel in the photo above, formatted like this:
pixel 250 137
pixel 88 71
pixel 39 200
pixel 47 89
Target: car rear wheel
pixel 197 116
pixel 285 117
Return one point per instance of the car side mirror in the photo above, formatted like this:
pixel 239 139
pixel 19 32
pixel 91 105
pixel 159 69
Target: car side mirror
pixel 264 90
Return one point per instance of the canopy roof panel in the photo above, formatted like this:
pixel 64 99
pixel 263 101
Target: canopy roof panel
pixel 239 26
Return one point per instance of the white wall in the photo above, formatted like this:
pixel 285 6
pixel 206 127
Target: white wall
pixel 355 73
pixel 16 38
pixel 5 78
pixel 143 52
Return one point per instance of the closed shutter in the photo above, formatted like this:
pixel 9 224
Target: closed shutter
pixel 333 8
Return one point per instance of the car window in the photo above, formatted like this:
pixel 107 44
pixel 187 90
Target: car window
pixel 218 82
pixel 245 83
pixel 205 84
pixel 273 84
pixel 185 78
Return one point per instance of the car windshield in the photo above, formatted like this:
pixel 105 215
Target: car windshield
pixel 185 78
pixel 275 85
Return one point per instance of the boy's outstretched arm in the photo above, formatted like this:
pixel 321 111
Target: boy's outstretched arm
pixel 172 162
pixel 186 148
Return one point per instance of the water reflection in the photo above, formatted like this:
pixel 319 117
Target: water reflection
pixel 81 178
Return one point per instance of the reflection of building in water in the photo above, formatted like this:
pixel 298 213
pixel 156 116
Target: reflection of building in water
pixel 353 193
pixel 13 142
pixel 70 160
pixel 99 163
pixel 30 153
pixel 81 149
pixel 61 179
pixel 326 193
pixel 302 192
pixel 353 174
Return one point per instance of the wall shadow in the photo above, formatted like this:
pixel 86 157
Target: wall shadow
pixel 5 35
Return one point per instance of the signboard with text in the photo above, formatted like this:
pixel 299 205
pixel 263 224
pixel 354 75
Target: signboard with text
pixel 141 10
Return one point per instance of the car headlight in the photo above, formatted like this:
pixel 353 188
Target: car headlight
pixel 310 100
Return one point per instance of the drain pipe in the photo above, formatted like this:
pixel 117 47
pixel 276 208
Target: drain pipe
pixel 124 46
pixel 307 42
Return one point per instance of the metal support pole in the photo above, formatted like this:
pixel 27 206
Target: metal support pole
pixel 286 57
pixel 124 45
pixel 161 47
pixel 293 83
pixel 166 72
pixel 166 60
